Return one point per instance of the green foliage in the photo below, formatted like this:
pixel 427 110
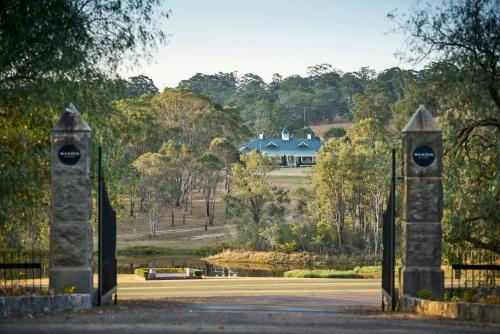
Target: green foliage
pixel 43 292
pixel 53 52
pixel 68 290
pixel 303 197
pixel 351 183
pixel 140 85
pixel 38 38
pixel 462 88
pixel 197 273
pixel 335 133
pixel 326 95
pixel 143 272
pixel 218 87
pixel 299 273
pixel 426 294
pixel 258 205
pixel 208 168
pixel 368 270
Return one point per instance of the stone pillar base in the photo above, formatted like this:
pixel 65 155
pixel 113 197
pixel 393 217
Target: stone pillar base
pixel 79 277
pixel 414 279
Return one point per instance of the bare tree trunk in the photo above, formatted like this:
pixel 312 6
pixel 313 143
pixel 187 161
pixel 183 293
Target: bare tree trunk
pixel 131 200
pixel 172 213
pixel 191 204
pixel 207 214
pixel 152 225
pixel 184 207
pixel 142 196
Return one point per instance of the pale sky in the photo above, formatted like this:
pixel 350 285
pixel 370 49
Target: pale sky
pixel 274 36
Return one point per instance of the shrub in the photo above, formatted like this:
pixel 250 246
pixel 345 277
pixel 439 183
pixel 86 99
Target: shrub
pixel 145 271
pixel 368 270
pixel 43 292
pixel 68 290
pixel 469 296
pixel 426 294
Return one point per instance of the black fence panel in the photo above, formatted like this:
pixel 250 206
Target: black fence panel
pixel 107 242
pixel 22 270
pixel 476 273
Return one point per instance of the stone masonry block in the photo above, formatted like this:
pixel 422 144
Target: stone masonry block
pixel 71 199
pixel 79 277
pixel 422 244
pixel 72 246
pixel 422 278
pixel 422 200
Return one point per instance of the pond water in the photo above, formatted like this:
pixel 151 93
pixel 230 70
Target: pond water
pixel 127 265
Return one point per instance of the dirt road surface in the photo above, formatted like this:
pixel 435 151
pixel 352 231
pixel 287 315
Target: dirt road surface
pixel 241 305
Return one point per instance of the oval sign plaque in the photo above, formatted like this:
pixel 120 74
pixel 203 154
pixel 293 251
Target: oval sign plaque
pixel 423 155
pixel 69 154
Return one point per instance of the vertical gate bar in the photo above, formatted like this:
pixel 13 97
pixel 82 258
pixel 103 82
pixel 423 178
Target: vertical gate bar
pixel 33 269
pixel 40 273
pixel 99 226
pixel 12 270
pixel 4 271
pixel 393 226
pixel 26 271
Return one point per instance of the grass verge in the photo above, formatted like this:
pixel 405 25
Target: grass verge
pixel 296 259
pixel 148 250
pixel 322 274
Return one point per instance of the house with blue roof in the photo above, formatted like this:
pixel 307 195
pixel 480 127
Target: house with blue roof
pixel 293 152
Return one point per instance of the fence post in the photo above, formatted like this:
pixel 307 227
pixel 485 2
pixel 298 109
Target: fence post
pixel 422 205
pixel 70 229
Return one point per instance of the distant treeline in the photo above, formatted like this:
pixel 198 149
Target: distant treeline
pixel 325 95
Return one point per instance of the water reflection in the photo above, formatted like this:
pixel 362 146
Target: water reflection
pixel 128 265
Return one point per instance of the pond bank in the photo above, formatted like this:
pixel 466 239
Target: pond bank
pixel 292 259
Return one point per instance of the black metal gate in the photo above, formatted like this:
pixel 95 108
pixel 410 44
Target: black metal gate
pixel 107 242
pixel 388 243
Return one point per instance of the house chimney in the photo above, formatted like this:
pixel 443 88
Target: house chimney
pixel 285 134
pixel 309 136
pixel 261 136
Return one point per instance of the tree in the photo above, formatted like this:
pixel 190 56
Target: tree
pixel 208 168
pixel 335 133
pixel 373 103
pixel 53 52
pixel 39 38
pixel 303 196
pixel 219 87
pixel 226 151
pixel 350 184
pixel 463 34
pixel 140 85
pixel 173 171
pixel 462 87
pixel 254 198
pixel 195 120
pixel 152 167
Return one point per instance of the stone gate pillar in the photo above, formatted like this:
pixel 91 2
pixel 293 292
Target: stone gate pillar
pixel 422 205
pixel 70 229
